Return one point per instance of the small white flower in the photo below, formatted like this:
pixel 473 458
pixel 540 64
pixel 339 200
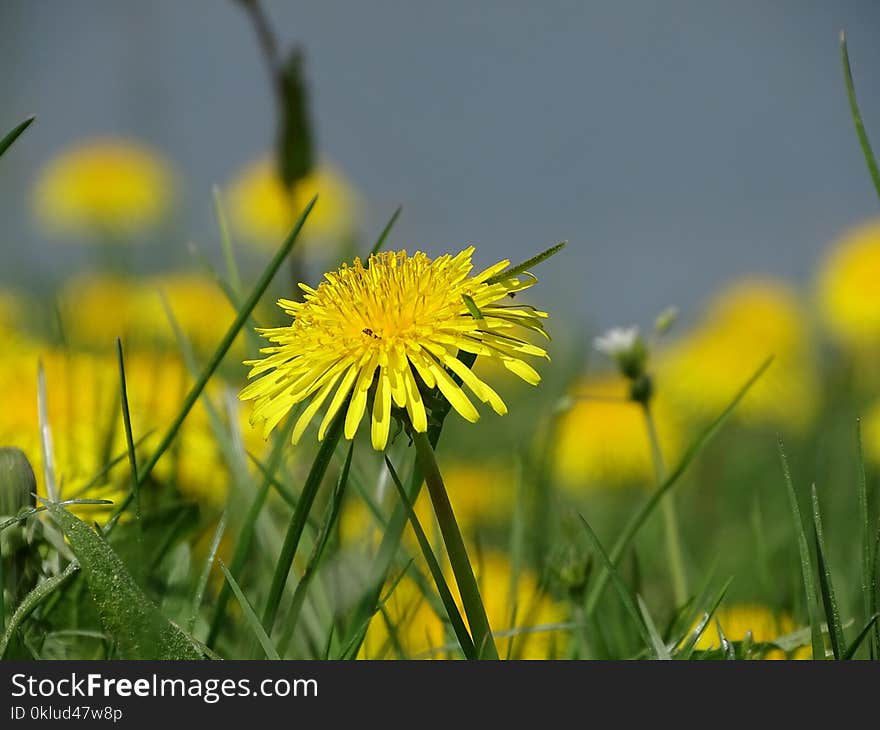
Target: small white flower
pixel 617 341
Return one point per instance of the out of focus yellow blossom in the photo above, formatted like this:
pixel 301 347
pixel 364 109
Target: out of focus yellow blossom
pixel 11 310
pixel 110 186
pixel 526 614
pixel 602 440
pixel 97 308
pixel 847 289
pixel 200 308
pixel 263 210
pixel 744 325
pixel 763 624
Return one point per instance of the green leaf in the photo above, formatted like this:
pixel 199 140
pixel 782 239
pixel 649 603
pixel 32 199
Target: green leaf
pixel 688 649
pixel 660 649
pixel 472 306
pixel 528 264
pixel 854 647
pixel 251 615
pixel 638 519
pixel 7 141
pixel 826 586
pixel 458 626
pixel 623 593
pixel 867 152
pixel 806 564
pixel 295 146
pixel 135 623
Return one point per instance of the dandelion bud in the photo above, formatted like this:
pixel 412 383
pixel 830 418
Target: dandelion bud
pixel 17 482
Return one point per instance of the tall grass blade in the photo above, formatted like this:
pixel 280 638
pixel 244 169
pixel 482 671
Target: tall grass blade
pixel 869 598
pixel 812 596
pixel 458 626
pixel 232 273
pixel 854 647
pixel 826 586
pixel 250 615
pixel 527 264
pixel 299 593
pixel 638 519
pixel 622 591
pixel 299 518
pixel 660 649
pixel 14 134
pixel 205 575
pixel 865 143
pixel 231 333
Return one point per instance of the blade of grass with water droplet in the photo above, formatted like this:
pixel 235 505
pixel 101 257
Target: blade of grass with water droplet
pixel 205 575
pixel 826 586
pixel 527 264
pixel 812 596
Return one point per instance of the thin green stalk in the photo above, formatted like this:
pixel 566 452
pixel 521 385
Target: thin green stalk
pixel 670 515
pixel 867 152
pixel 455 549
pixel 129 442
pixel 241 317
pixel 299 518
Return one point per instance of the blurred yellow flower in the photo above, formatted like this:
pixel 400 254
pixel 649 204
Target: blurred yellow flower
pixel 10 313
pixel 97 308
pixel 263 210
pixel 200 308
pixel 847 287
pixel 521 618
pixel 109 186
pixel 602 440
pixel 763 624
pixel 480 493
pixel 744 325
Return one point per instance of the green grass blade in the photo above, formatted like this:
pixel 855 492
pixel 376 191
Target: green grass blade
pixel 637 520
pixel 528 264
pixel 299 518
pixel 7 141
pixel 660 649
pixel 854 647
pixel 129 437
pixel 869 598
pixel 250 615
pixel 232 273
pixel 826 586
pixel 688 649
pixel 299 594
pixel 458 626
pixel 383 236
pixel 812 596
pixel 45 435
pixel 32 600
pixel 868 153
pixel 248 528
pixel 205 575
pixel 622 591
pixel 231 333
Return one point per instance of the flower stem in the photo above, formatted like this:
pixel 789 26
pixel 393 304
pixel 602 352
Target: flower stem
pixel 455 548
pixel 670 516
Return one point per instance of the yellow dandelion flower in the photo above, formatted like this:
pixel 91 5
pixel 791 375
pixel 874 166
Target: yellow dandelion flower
pixel 399 321
pixel 112 186
pixel 603 439
pixel 763 624
pixel 745 324
pixel 263 210
pixel 847 289
pixel 409 623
